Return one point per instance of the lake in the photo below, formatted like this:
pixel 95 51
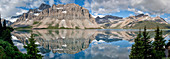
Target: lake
pixel 81 44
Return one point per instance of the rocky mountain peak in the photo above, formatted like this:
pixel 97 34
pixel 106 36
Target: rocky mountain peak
pixel 44 6
pixel 112 17
pixel 141 15
pixel 98 17
pixel 138 16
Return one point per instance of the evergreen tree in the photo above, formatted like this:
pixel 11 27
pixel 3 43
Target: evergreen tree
pixel 4 24
pixel 147 47
pixel 137 51
pixel 6 36
pixel 32 49
pixel 158 44
pixel 0 23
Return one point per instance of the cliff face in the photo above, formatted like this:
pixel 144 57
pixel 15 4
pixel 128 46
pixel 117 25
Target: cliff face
pixel 58 16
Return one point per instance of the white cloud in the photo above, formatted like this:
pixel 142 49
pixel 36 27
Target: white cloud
pixel 51 2
pixel 10 8
pixel 137 6
pixel 67 1
pixel 135 11
pixel 21 12
pixel 105 6
pixel 131 15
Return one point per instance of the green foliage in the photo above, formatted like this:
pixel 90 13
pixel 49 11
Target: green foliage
pixel 92 28
pixel 77 27
pixel 26 27
pixel 6 36
pixel 35 23
pixel 32 49
pixel 8 51
pixel 158 45
pixel 137 51
pixel 147 45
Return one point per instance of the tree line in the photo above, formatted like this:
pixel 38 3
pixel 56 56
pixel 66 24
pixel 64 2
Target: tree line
pixel 144 48
pixel 9 51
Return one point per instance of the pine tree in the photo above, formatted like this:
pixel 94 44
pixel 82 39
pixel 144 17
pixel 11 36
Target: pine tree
pixel 32 49
pixel 158 44
pixel 0 23
pixel 147 45
pixel 137 51
pixel 4 24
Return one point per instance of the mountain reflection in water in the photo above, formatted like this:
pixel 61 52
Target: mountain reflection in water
pixel 80 44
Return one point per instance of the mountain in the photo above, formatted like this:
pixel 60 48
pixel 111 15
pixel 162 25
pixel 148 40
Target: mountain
pixel 136 22
pixel 57 16
pixel 106 19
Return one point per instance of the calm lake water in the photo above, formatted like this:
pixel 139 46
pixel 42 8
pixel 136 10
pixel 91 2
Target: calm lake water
pixel 82 44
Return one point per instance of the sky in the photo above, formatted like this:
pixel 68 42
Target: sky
pixel 121 8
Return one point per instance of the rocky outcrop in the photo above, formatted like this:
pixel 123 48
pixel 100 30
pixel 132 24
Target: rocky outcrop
pixel 58 16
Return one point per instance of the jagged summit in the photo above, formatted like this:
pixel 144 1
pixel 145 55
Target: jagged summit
pixel 44 6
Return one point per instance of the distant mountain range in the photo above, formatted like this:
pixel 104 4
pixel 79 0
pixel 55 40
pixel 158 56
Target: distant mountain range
pixel 73 16
pixel 134 22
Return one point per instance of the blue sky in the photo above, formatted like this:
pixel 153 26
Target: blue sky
pixel 122 8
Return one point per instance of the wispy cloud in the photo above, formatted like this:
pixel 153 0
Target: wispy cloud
pixel 12 7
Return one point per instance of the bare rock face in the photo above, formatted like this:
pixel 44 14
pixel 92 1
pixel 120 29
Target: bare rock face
pixel 58 16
